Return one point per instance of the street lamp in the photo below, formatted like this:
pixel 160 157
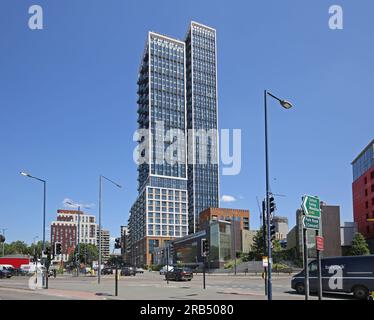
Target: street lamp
pixel 287 105
pixel 25 174
pixel 101 177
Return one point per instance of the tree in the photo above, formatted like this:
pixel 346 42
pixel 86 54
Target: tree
pixel 39 248
pixel 257 248
pixel 359 246
pixel 88 253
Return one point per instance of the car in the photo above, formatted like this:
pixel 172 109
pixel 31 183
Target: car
pixel 179 274
pixel 20 272
pixel 5 273
pixel 128 271
pixel 7 270
pixel 164 269
pixel 139 270
pixel 107 271
pixel 340 274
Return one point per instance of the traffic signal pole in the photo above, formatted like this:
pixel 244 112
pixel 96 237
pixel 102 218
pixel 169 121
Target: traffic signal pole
pixel 306 269
pixel 204 272
pixel 264 241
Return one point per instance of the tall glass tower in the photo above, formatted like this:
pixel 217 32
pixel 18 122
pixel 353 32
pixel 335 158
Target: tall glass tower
pixel 203 184
pixel 177 91
pixel 160 211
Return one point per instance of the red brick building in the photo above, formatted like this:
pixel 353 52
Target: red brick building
pixel 64 230
pixel 363 193
pixel 240 215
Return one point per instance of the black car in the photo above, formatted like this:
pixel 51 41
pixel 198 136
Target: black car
pixel 340 274
pixel 128 271
pixel 179 274
pixel 20 272
pixel 107 271
pixel 5 273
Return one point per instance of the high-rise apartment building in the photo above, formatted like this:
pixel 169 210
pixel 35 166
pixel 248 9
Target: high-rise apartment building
pixel 160 211
pixel 176 92
pixel 363 193
pixel 64 230
pixel 105 244
pixel 202 117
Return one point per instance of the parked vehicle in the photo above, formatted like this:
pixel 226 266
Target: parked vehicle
pixel 139 270
pixel 179 274
pixel 7 270
pixel 340 274
pixel 107 271
pixel 4 273
pixel 165 268
pixel 128 271
pixel 20 272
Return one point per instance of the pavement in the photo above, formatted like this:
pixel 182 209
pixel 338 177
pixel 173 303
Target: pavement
pixel 152 286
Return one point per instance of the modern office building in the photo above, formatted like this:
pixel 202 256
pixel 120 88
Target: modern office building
pixel 363 193
pixel 105 244
pixel 281 227
pixel 187 250
pixel 202 117
pixel 177 118
pixel 64 230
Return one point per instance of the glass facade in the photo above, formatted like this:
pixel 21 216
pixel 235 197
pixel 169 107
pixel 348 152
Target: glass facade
pixel 364 162
pixel 161 210
pixel 202 115
pixel 176 92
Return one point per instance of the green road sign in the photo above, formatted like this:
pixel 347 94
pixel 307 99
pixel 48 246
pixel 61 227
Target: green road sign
pixel 311 223
pixel 311 206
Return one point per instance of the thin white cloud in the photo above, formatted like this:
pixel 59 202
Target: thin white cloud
pixel 70 204
pixel 228 198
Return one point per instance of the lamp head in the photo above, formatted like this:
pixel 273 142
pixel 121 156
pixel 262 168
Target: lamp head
pixel 25 174
pixel 285 104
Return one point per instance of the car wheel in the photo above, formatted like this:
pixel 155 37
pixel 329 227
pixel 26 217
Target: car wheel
pixel 360 292
pixel 300 289
pixel 189 279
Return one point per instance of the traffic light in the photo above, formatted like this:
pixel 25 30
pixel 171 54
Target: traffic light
pixel 117 244
pixel 204 247
pixel 58 248
pixel 272 232
pixel 272 206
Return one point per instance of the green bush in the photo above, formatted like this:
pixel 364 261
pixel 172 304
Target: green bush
pixel 154 267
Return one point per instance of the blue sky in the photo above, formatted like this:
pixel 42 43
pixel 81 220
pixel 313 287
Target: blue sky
pixel 68 100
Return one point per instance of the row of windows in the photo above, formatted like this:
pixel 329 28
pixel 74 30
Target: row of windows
pixel 165 233
pixel 158 44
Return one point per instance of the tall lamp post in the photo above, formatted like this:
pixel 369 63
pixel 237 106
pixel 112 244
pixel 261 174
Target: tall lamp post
pixel 25 174
pixel 287 105
pixel 101 177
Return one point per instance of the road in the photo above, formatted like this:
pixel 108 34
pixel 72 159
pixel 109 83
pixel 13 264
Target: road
pixel 152 286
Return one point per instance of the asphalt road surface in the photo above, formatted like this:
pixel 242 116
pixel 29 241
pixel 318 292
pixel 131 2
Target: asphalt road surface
pixel 151 285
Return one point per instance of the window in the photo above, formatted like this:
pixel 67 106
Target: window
pixel 313 267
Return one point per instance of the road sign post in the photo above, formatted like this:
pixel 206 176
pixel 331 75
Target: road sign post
pixel 319 248
pixel 311 220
